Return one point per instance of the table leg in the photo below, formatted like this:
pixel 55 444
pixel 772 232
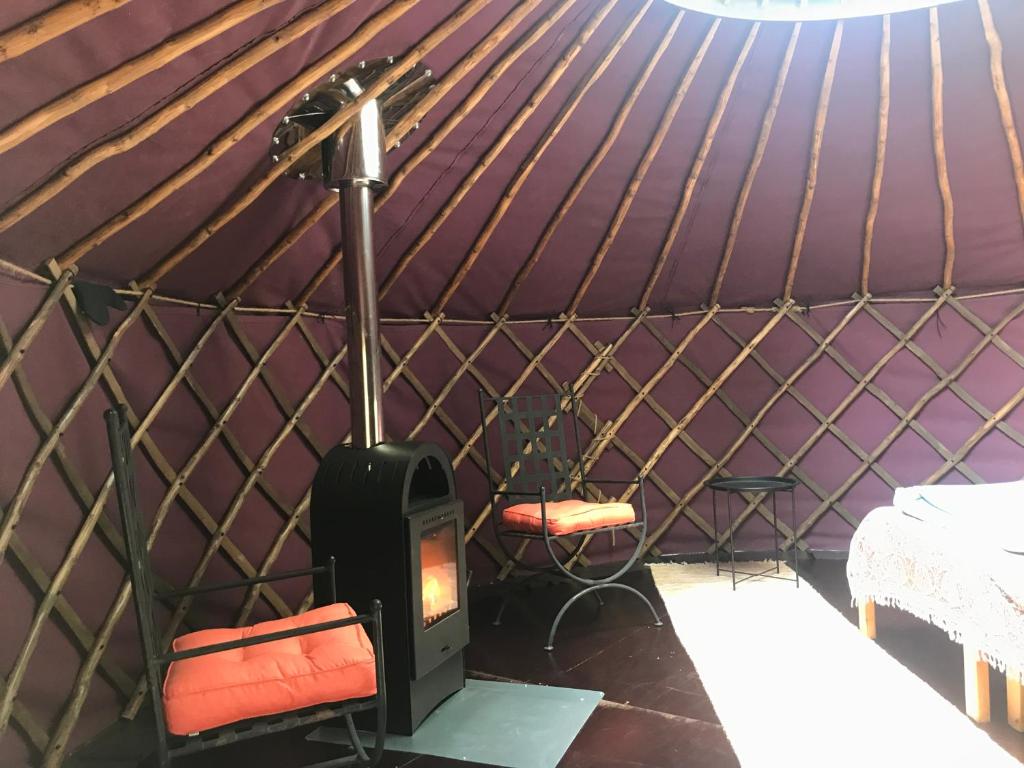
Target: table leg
pixel 796 549
pixel 866 618
pixel 714 516
pixel 976 696
pixel 732 543
pixel 1014 700
pixel 775 532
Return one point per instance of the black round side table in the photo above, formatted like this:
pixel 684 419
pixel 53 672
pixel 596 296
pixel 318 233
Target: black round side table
pixel 732 486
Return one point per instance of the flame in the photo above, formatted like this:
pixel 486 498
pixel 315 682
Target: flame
pixel 431 595
pixel 439 574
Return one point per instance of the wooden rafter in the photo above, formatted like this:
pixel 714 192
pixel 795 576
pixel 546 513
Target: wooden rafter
pixel 567 57
pixel 116 145
pixel 451 79
pixel 280 99
pixel 755 163
pixel 697 166
pixel 518 179
pixel 44 27
pixel 939 144
pixel 880 145
pixel 640 172
pixel 134 69
pixel 596 158
pixel 213 225
pixel 820 116
pixel 995 50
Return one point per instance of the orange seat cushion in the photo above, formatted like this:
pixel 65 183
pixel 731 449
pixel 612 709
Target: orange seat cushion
pixel 209 691
pixel 569 516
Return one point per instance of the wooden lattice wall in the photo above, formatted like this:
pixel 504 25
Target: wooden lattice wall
pixel 233 406
pixel 232 410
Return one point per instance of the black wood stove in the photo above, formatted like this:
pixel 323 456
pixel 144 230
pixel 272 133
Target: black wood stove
pixel 389 516
pixel 386 512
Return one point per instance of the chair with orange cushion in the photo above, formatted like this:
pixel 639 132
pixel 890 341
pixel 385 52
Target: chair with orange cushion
pixel 548 497
pixel 225 685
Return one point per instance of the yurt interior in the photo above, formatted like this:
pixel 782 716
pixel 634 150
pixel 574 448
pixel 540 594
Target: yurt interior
pixel 518 383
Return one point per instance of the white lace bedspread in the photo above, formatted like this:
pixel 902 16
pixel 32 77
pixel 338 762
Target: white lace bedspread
pixel 955 576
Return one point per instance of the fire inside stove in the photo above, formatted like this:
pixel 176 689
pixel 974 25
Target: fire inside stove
pixel 439 575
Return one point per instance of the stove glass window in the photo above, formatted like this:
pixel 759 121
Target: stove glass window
pixel 439 576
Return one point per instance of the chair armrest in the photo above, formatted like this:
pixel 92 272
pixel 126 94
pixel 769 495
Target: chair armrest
pixel 206 650
pixel 245 582
pixel 634 481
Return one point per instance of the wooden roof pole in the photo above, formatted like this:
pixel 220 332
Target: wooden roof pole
pixel 755 163
pixel 698 165
pixel 939 142
pixel 131 70
pixel 213 225
pixel 995 49
pixel 646 161
pixel 515 124
pixel 52 23
pixel 883 134
pixel 64 176
pixel 540 146
pixel 812 170
pixel 592 164
pixel 451 79
pixel 282 97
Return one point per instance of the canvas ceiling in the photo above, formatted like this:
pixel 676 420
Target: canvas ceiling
pixel 911 247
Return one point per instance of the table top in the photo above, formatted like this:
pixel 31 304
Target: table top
pixel 751 484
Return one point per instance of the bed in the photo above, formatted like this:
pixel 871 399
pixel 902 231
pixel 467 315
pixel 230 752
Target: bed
pixel 952 556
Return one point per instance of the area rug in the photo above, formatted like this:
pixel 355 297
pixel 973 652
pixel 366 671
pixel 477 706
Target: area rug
pixel 503 724
pixel 796 684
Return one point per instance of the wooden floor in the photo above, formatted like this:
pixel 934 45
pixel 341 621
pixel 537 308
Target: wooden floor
pixel 655 713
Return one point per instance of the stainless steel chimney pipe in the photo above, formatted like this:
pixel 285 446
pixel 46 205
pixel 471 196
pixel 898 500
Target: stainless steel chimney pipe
pixel 366 393
pixel 353 164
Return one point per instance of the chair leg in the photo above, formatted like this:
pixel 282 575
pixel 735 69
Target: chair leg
pixel 568 603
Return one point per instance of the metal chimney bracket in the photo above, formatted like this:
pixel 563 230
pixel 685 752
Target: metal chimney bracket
pixel 340 90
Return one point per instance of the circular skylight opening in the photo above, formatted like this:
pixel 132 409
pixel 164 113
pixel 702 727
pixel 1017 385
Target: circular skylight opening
pixel 803 10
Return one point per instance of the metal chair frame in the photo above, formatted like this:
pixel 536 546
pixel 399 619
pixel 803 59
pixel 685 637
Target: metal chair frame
pixel 536 467
pixel 170 745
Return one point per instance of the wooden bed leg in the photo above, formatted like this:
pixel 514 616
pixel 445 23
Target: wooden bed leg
pixel 866 618
pixel 976 698
pixel 1014 700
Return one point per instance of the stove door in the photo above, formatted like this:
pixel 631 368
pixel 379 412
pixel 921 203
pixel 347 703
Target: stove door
pixel 440 620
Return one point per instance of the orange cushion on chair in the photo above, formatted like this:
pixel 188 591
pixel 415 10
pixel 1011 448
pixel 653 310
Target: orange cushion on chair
pixel 209 691
pixel 569 516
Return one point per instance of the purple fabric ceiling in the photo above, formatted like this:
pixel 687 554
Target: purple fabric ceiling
pixel 909 249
